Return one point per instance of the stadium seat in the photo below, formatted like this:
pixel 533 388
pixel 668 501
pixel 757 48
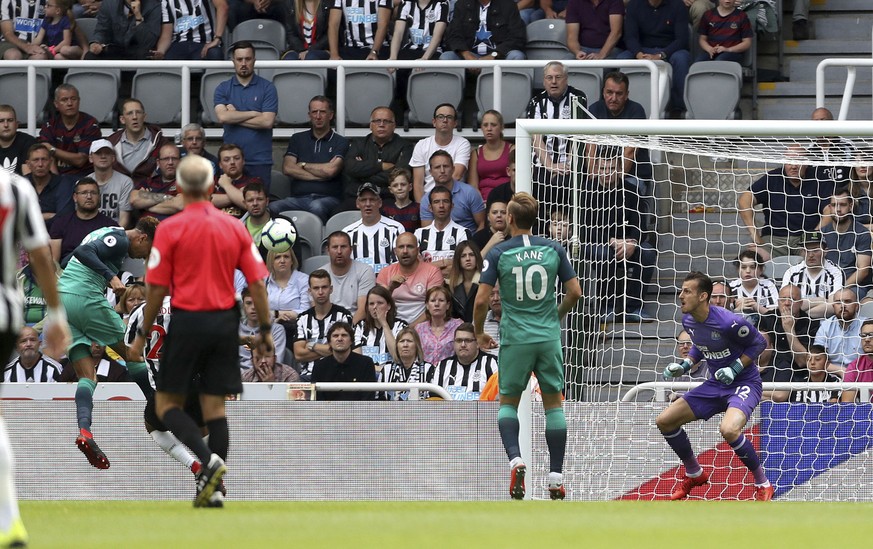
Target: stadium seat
pixel 429 88
pixel 340 221
pixel 589 81
pixel 515 93
pixel 314 262
pixel 639 90
pixel 280 185
pixel 367 89
pixel 98 92
pixel 546 40
pixel 160 90
pixel 88 25
pixel 712 90
pixel 13 90
pixel 297 83
pixel 260 32
pixel 310 232
pixel 866 310
pixel 776 267
pixel 211 79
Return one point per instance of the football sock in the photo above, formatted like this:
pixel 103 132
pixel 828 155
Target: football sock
pixel 678 441
pixel 219 437
pixel 507 423
pixel 187 432
pixel 747 454
pixel 139 372
pixel 556 438
pixel 85 402
pixel 175 449
pixel 8 503
pixel 556 479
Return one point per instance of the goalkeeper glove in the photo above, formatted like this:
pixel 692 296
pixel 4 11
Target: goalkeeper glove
pixel 727 374
pixel 675 369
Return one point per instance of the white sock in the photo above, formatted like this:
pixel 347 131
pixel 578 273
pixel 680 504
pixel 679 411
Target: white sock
pixel 173 447
pixel 766 484
pixel 515 462
pixel 556 479
pixel 695 475
pixel 8 502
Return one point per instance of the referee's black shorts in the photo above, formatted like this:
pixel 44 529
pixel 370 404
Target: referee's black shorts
pixel 205 345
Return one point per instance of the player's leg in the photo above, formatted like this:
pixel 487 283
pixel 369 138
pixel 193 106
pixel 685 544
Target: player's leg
pixel 137 368
pixel 80 355
pixel 11 527
pixel 549 369
pixel 167 440
pixel 740 407
pixel 670 423
pixel 511 381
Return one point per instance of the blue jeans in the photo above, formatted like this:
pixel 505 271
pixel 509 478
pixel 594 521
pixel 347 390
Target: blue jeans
pixel 319 204
pixel 513 55
pixel 681 62
pixel 529 15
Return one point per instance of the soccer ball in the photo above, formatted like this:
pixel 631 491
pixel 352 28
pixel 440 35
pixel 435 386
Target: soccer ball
pixel 278 235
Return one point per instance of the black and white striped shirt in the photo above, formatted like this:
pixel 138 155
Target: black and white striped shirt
pixel 154 343
pixel 374 245
pixel 467 381
pixel 25 15
pixel 397 373
pixel 420 22
pixel 45 370
pixel 20 222
pixel 828 280
pixel 361 20
pixel 436 245
pixel 542 106
pixel 191 20
pixel 312 330
pixel 764 293
pixel 372 342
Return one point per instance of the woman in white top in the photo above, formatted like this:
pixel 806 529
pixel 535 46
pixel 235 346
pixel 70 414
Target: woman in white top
pixel 287 287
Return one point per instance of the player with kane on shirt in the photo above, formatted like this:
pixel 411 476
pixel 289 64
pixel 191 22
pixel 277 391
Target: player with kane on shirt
pixel 730 345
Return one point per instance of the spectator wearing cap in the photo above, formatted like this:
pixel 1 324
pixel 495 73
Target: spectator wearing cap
pixel 816 277
pixel 314 162
pixel 468 208
pixel 115 187
pixel 848 242
pixel 246 105
pixel 373 237
pixel 137 144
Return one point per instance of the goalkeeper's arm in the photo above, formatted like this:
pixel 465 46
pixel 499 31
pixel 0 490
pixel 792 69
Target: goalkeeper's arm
pixel 677 369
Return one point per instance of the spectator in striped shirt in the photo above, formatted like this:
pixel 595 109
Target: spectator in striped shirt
pixel 373 237
pixel 792 338
pixel 20 21
pixel 357 29
pixel 816 277
pixel 437 241
pixel 409 365
pixel 426 21
pixel 725 33
pixel 756 295
pixel 190 31
pixel 375 335
pixel 465 373
pixel 31 366
pixel 310 342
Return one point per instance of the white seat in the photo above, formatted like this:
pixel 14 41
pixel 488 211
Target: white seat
pixel 340 221
pixel 98 91
pixel 310 232
pixel 712 90
pixel 314 262
pixel 776 267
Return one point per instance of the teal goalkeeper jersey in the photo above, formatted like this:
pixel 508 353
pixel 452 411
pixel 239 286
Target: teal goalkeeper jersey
pixel 94 262
pixel 528 268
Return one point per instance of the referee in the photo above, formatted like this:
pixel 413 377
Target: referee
pixel 194 256
pixel 21 223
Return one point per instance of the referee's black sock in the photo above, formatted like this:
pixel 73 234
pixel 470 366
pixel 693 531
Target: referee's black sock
pixel 219 438
pixel 187 431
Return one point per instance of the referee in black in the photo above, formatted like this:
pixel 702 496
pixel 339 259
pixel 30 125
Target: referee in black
pixel 193 259
pixel 21 223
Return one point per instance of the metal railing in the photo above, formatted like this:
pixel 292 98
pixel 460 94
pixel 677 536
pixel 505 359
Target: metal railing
pixel 661 388
pixel 658 83
pixel 852 65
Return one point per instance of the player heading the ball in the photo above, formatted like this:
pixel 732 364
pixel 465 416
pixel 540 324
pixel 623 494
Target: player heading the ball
pixel 730 345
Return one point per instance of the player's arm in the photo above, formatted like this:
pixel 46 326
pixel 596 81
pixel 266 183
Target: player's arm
pixel 480 311
pixel 746 203
pixel 743 332
pixel 90 254
pixel 572 294
pixel 56 332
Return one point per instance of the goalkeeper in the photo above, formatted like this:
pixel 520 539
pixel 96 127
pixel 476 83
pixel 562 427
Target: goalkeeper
pixel 730 346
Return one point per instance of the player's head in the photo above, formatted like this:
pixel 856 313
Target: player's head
pixel 380 303
pixel 683 344
pixel 194 176
pixel 440 198
pixel 86 195
pixel 817 357
pixel 437 303
pixel 339 337
pixel 256 199
pixel 846 304
pixel 409 345
pixel 466 346
pixel 522 211
pixel 144 235
pixel 866 334
pixel 320 287
pixel 231 160
pixel 750 265
pixel 721 294
pixel 696 289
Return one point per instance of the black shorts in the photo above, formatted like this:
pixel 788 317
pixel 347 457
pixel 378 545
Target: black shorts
pixel 201 345
pixel 192 408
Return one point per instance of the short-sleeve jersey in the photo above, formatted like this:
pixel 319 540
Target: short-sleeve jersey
pixel 110 244
pixel 154 343
pixel 723 338
pixel 527 267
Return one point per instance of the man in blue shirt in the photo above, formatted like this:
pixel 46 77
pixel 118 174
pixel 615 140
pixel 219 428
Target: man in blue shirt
pixel 468 208
pixel 247 105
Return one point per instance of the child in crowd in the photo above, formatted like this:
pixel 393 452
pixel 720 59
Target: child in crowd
pixel 402 208
pixel 559 227
pixel 56 34
pixel 756 296
pixel 725 33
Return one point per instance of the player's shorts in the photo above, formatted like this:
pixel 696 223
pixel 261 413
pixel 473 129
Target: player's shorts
pixel 713 397
pixel 517 361
pixel 92 319
pixel 204 344
pixel 192 408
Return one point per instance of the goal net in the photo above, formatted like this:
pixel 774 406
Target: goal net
pixel 641 203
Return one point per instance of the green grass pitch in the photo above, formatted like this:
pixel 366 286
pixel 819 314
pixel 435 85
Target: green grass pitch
pixel 165 524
